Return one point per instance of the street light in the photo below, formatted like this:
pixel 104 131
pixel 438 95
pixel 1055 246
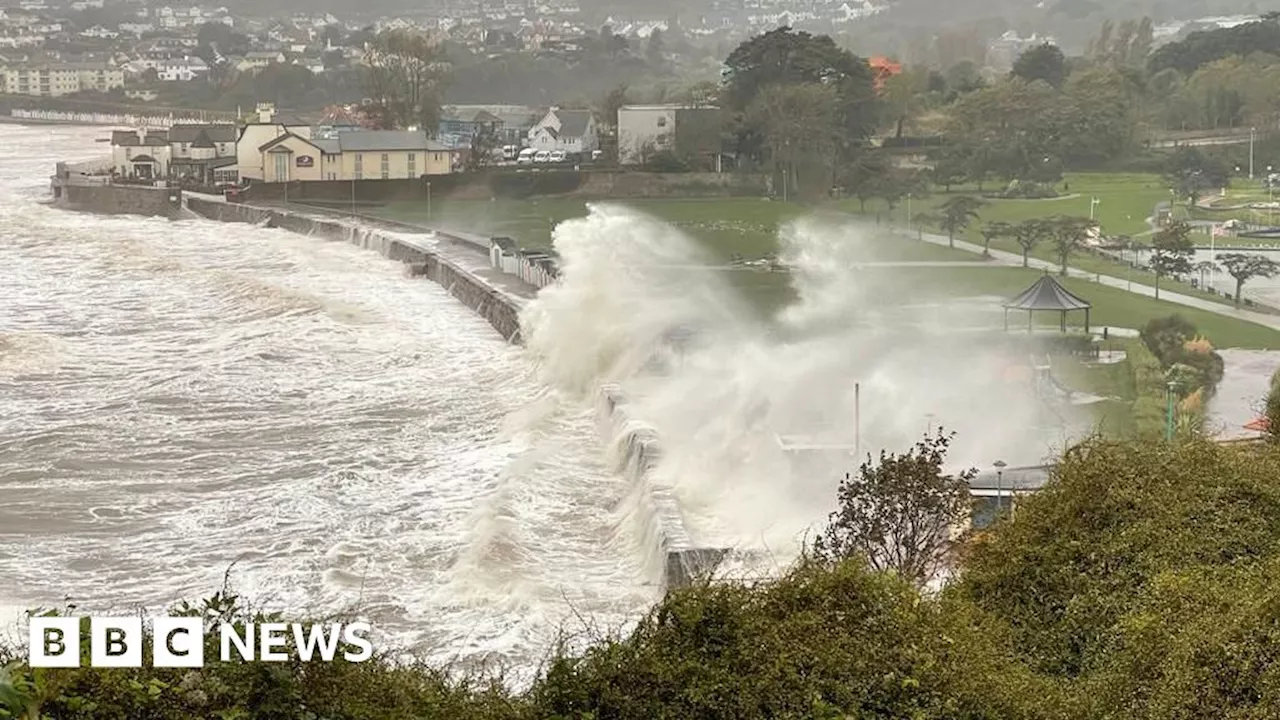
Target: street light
pixel 1093 204
pixel 1168 423
pixel 1000 465
pixel 929 420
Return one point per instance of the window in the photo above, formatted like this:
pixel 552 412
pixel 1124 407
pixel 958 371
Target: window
pixel 413 165
pixel 386 166
pixel 282 167
pixel 662 122
pixel 359 166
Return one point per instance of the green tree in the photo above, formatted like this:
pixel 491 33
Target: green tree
pixel 1171 251
pixel 1030 233
pixel 957 214
pixel 1068 235
pixel 799 125
pixel 405 76
pixel 1043 62
pixel 899 513
pixel 991 231
pixel 785 57
pixel 1244 267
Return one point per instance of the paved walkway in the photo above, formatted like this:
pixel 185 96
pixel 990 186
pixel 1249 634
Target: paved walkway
pixel 1015 260
pixel 1246 380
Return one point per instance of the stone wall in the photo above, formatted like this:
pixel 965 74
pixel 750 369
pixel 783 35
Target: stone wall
pixel 118 199
pixel 635 450
pixel 501 310
pixel 512 184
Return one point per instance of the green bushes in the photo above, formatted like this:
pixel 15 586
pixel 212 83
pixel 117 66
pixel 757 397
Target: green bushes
pixel 1138 584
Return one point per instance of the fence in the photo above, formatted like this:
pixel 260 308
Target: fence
pixel 97 118
pixel 536 268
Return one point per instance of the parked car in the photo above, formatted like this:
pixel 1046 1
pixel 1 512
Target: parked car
pixel 557 156
pixel 234 193
pixel 542 156
pixel 526 156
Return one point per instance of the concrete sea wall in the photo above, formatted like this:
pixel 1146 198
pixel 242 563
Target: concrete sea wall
pixel 459 265
pixel 119 199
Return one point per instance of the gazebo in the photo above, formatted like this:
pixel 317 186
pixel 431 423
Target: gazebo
pixel 1047 294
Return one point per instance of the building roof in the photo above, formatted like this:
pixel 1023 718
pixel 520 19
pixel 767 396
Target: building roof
pixel 386 140
pixel 202 141
pixel 1009 479
pixel 669 106
pixel 216 132
pixel 573 123
pixel 1047 294
pixel 129 138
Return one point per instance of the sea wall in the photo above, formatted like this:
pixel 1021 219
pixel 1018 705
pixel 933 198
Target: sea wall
pixel 110 199
pixel 500 309
pixel 635 450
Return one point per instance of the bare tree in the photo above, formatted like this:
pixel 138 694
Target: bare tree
pixel 405 75
pixel 799 123
pixel 901 513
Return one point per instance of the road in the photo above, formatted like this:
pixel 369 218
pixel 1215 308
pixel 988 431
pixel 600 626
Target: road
pixel 1014 260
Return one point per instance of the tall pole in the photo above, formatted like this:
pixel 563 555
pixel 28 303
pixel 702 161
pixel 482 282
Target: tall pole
pixel 1168 424
pixel 908 212
pixel 1250 153
pixel 353 197
pixel 1000 466
pixel 857 420
pixel 428 201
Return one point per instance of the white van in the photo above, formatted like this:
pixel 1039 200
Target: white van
pixel 526 156
pixel 510 152
pixel 542 156
pixel 557 156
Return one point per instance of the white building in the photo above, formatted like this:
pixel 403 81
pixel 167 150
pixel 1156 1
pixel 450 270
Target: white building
pixel 571 131
pixel 646 129
pixel 140 154
pixel 265 128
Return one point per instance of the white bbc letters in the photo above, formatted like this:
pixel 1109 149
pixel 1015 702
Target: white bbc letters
pixel 177 642
pixel 54 642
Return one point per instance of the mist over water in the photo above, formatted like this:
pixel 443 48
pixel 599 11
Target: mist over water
pixel 719 386
pixel 180 397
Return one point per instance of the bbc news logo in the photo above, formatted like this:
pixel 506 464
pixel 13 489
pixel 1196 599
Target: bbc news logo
pixel 179 642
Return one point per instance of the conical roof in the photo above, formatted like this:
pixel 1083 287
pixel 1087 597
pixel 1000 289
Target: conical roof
pixel 1047 294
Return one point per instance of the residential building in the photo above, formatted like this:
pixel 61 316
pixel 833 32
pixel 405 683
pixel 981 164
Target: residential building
pixel 56 79
pixel 140 154
pixel 353 155
pixel 259 59
pixel 264 127
pixel 572 131
pixel 204 153
pixel 688 130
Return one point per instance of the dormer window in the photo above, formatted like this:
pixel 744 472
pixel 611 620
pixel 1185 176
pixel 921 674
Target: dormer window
pixel 662 122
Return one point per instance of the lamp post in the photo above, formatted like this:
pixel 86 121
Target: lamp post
pixel 928 417
pixel 428 201
pixel 857 421
pixel 1251 153
pixel 908 213
pixel 1168 423
pixel 1000 466
pixel 1093 203
pixel 353 197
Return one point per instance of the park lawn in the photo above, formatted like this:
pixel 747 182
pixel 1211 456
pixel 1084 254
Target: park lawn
pixel 723 226
pixel 769 292
pixel 1111 306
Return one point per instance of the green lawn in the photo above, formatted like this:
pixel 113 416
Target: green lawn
pixel 1124 203
pixel 725 226
pixel 749 226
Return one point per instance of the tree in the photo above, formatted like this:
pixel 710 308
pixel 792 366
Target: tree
pixel 1068 234
pixel 405 76
pixel 897 184
pixel 861 175
pixel 655 49
pixel 614 101
pixel 800 131
pixel 1028 234
pixel 1243 267
pixel 898 513
pixel 1043 62
pixel 1171 251
pixel 1190 172
pixel 483 144
pixel 957 213
pixel 992 230
pixel 789 58
pixel 948 168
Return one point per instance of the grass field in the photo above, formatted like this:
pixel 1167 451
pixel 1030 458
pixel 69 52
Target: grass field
pixel 748 226
pixel 724 226
pixel 1124 203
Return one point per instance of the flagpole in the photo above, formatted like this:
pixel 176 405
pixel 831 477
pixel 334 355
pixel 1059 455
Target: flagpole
pixel 1213 271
